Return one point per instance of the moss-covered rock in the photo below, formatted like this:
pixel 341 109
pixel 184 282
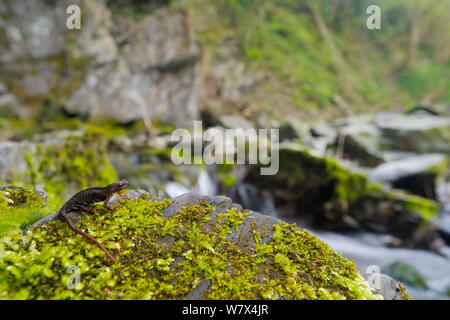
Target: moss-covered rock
pixel 19 207
pixel 330 196
pixel 194 247
pixel 60 161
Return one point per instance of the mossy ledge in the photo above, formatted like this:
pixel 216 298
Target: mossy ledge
pixel 194 247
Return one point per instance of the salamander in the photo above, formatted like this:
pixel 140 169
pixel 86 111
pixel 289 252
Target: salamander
pixel 82 199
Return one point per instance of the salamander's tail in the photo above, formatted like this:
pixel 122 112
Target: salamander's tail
pixel 75 229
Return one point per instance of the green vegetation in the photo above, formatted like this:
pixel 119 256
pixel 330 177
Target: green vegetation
pixel 167 257
pixel 72 162
pixel 406 273
pixel 320 50
pixel 79 162
pixel 19 208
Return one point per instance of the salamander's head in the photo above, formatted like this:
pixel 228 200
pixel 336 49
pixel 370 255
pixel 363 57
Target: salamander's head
pixel 119 185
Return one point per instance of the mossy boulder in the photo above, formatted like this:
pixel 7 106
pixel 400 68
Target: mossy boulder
pixel 326 194
pixel 192 248
pixel 19 207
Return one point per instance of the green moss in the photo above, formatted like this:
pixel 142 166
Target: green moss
pixel 408 274
pixel 403 293
pixel 225 176
pixel 19 208
pixel 166 257
pixel 427 208
pixel 79 161
pixel 440 170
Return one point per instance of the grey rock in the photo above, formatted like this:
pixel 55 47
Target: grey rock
pixel 13 162
pixel 33 29
pixel 324 130
pixel 113 91
pixel 384 285
pixel 425 163
pixel 234 121
pixel 253 198
pixel 155 74
pixel 416 133
pixel 361 143
pixel 418 174
pixel 160 41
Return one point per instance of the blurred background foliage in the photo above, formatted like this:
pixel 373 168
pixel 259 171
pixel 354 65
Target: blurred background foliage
pixel 322 49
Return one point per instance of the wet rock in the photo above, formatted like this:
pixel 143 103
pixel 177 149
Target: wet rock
pixel 418 174
pixel 361 143
pixel 417 133
pixel 253 198
pixel 443 225
pixel 386 286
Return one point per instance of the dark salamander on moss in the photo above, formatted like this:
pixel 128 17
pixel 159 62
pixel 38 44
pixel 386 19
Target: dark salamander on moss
pixel 82 199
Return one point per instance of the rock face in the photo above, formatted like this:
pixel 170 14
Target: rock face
pixel 114 67
pixel 194 247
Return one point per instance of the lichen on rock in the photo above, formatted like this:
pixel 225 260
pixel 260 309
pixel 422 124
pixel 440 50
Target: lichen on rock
pixel 192 247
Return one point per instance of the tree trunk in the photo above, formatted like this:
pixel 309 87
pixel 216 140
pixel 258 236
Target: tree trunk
pixel 414 39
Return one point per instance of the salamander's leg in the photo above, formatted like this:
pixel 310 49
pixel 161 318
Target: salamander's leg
pixel 107 206
pixel 75 229
pixel 123 196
